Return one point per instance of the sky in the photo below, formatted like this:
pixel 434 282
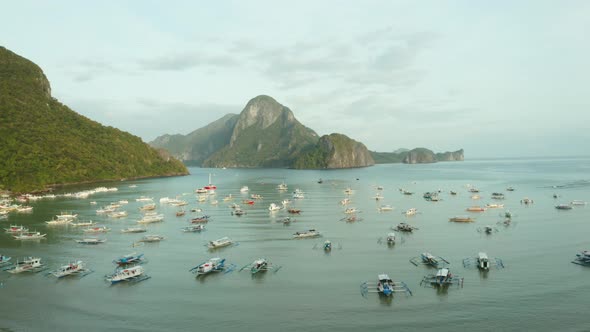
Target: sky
pixel 496 78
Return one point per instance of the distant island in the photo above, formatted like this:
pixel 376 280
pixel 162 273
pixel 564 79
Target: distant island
pixel 44 143
pixel 267 134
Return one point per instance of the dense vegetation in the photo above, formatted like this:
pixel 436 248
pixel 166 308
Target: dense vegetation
pixel 43 142
pixel 417 155
pixel 334 151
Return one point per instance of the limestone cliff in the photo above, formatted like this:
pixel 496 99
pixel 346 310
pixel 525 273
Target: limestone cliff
pixel 335 151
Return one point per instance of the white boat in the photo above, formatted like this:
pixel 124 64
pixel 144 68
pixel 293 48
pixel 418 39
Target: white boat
pixel 273 207
pixel 306 234
pixel 298 194
pixel 148 207
pixel 118 214
pixel 282 187
pixel 151 238
pixel 179 203
pixel 411 212
pixel 194 228
pixel 223 242
pixel 29 264
pixel 351 210
pixel 345 201
pixel 212 265
pixel 105 210
pixel 256 196
pixel 578 202
pixel 134 230
pixel 98 229
pixel 384 208
pixel 69 269
pixel 24 209
pixel 126 274
pixel 91 240
pixel 244 189
pixel 151 219
pixel 144 199
pixel 228 198
pixel 83 223
pixel 14 229
pixel 494 206
pixel 286 202
pixel 123 201
pixel 378 197
pixel 29 236
pixel 66 215
pixel 201 191
pixel 59 222
pixel 390 238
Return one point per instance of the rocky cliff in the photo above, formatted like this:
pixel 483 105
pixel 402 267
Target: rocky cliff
pixel 419 156
pixel 335 151
pixel 451 156
pixel 416 156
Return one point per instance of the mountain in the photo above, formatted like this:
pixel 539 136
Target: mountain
pixel 266 134
pixel 196 147
pixel 335 151
pixel 416 156
pixel 44 143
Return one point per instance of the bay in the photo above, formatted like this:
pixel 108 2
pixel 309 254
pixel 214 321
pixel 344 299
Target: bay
pixel 539 289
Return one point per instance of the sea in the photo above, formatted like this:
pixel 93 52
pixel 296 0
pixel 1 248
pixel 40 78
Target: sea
pixel 539 289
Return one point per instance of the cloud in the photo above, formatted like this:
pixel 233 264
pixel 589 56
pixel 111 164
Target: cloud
pixel 185 61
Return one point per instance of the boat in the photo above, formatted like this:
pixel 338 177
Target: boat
pixel 256 196
pixel 29 264
pixel 151 238
pixel 238 212
pixel 298 195
pixel 497 196
pixel 410 212
pixel 201 191
pixel 476 209
pixel 454 193
pixel 74 268
pixel 578 202
pixel 4 260
pixel 180 213
pixel 193 228
pixel 390 239
pixel 244 189
pixel 510 189
pixel 427 258
pixel 526 201
pixel 385 287
pixel 407 193
pixel 345 201
pixel 294 211
pixel 282 187
pixel 66 215
pixel 473 190
pixel 583 258
pixel 98 229
pixel 287 220
pixel 306 234
pixel 403 227
pixel 123 201
pixel 563 207
pixel 351 218
pixel 212 265
pixel 105 210
pixel 118 214
pixel 14 229
pixel 219 243
pixel 179 203
pixel 384 208
pixel 210 186
pixel 228 198
pixel 260 265
pixel 443 277
pixel 134 230
pixel 286 202
pixel 135 273
pixel 461 219
pixel 24 209
pixel 148 207
pixel 494 206
pixel 320 181
pixel 273 207
pixel 144 199
pixel 351 210
pixel 59 222
pixel 83 223
pixel 348 191
pixel 327 246
pixel 151 219
pixel 483 262
pixel 475 197
pixel 132 258
pixel 91 240
pixel 201 219
pixel 29 236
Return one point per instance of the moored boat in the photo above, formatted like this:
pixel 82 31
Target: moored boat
pixel 219 243
pixel 461 219
pixel 306 234
pixel 135 273
pixel 134 230
pixel 69 269
pixel 193 228
pixel 132 258
pixel 91 240
pixel 29 236
pixel 151 238
pixel 212 265
pixel 14 229
pixel 29 264
pixel 476 209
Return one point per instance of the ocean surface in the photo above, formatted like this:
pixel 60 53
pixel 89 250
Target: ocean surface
pixel 539 288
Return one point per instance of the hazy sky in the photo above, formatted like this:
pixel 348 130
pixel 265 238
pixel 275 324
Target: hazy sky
pixel 498 78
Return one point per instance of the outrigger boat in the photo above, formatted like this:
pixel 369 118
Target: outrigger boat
pixel 131 274
pixel 403 227
pixel 487 229
pixel 59 222
pixel 563 207
pixel 327 246
pixel 442 278
pixel 14 229
pixel 384 208
pixel 212 265
pixel 476 209
pixel 306 234
pixel 410 212
pixel 148 207
pixel 219 243
pixel 144 199
pixel 351 218
pixel 273 207
pixel 151 219
pixel 29 264
pixel 282 187
pixel 29 236
pixel 461 219
pixel 238 212
pixel 578 202
pixel 351 210
pixel 151 238
pixel 4 260
pixel 98 229
pixel 483 262
pixel 497 196
pixel 261 265
pixel 134 230
pixel 76 268
pixel 91 240
pixel 294 211
pixel 385 286
pixel 494 206
pixel 83 223
pixel 118 214
pixel 193 228
pixel 132 258
pixel 583 258
pixel 427 258
pixel 201 219
pixel 288 220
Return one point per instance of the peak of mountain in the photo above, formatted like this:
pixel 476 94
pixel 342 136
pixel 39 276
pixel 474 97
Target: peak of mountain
pixel 45 143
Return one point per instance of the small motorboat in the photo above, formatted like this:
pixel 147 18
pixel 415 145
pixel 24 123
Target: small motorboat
pixel 351 210
pixel 144 199
pixel 201 219
pixel 578 202
pixel 193 228
pixel 410 212
pixel 403 227
pixel 294 211
pixel 219 243
pixel 306 234
pixel 494 206
pixel 583 258
pixel 244 189
pixel 148 207
pixel 149 219
pixel 135 273
pixel 91 240
pixel 83 223
pixel 180 213
pixel 132 258
pixel 282 187
pixel 4 260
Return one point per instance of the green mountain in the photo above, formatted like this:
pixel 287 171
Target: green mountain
pixel 335 151
pixel 416 156
pixel 43 142
pixel 266 134
pixel 196 147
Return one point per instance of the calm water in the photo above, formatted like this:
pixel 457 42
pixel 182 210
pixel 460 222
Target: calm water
pixel 538 290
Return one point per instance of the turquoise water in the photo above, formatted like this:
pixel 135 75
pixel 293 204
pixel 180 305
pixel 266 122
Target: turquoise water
pixel 538 290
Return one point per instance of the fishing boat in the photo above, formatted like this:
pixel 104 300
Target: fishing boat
pixel 148 207
pixel 390 239
pixel 494 206
pixel 83 223
pixel 378 197
pixel 286 202
pixel 306 234
pixel 282 187
pixel 427 258
pixel 132 258
pixel 151 238
pixel 497 196
pixel 578 202
pixel 201 219
pixel 385 208
pixel 193 228
pixel 219 243
pixel 75 268
pixel 385 286
pixel 273 207
pixel 14 229
pixel 144 199
pixel 24 209
pixel 563 207
pixel 403 227
pixel 59 222
pixel 298 195
pixel 238 212
pixel 201 191
pixel 228 198
pixel 287 220
pixel 327 246
pixel 29 236
pixel 210 186
pixel 98 229
pixel 476 209
pixel 4 260
pixel 345 201
pixel 526 201
pixel 483 262
pixel 105 210
pixel 351 210
pixel 583 258
pixel 260 265
pixel 348 191
pixel 256 196
pixel 244 189
pixel 461 219
pixel 151 219
pixel 212 265
pixel 118 214
pixel 91 240
pixel 410 212
pixel 135 273
pixel 29 264
pixel 134 230
pixel 180 213
pixel 123 201
pixel 67 215
pixel 294 211
pixel 179 203
pixel 443 277
pixel 510 189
